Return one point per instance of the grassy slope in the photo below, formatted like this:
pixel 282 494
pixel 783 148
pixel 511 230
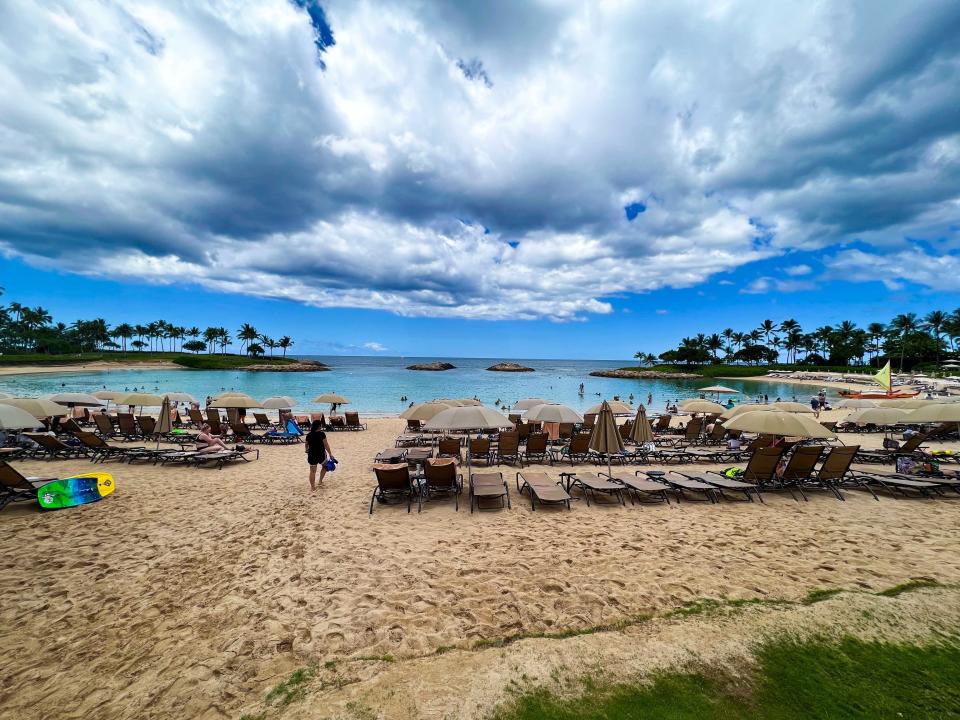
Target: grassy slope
pixel 710 371
pixel 792 681
pixel 199 362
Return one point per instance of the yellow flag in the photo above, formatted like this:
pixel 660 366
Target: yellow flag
pixel 883 377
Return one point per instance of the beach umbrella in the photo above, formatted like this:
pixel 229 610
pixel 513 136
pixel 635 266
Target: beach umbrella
pixel 278 402
pixel 469 402
pixel 936 413
pixel 140 399
pixel 331 398
pixel 777 422
pixel 74 399
pixel 14 418
pixel 605 437
pixel 37 407
pixel 229 393
pixel 694 405
pixel 180 397
pixel 616 407
pixel 164 424
pixel 877 416
pixel 641 433
pixel 242 402
pixel 744 408
pixel 794 407
pixel 718 389
pixel 527 403
pixel 471 417
pixel 551 412
pixel 110 394
pixel 905 403
pixel 857 403
pixel 424 411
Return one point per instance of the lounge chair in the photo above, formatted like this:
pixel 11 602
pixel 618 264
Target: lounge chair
pixel 488 485
pixel 590 484
pixel 481 449
pixel 508 447
pixel 15 487
pixel 536 449
pixel 542 489
pixel 353 421
pixel 641 489
pixel 682 485
pixel 722 482
pixel 104 425
pixel 99 450
pixel 394 483
pixel 128 427
pixel 216 428
pixel 691 433
pixel 589 420
pixel 440 477
pixel 148 425
pixel 576 451
pixel 69 425
pixel 884 455
pixel 896 484
pixel 565 431
pixel 833 472
pixel 195 417
pixel 337 423
pixel 51 448
pixel 450 448
pixel 716 434
pixel 262 421
pixel 662 424
pixel 222 457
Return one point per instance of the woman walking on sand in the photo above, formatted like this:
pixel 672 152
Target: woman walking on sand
pixel 317 449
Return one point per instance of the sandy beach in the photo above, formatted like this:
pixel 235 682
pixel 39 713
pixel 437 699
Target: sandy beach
pixel 97 366
pixel 192 592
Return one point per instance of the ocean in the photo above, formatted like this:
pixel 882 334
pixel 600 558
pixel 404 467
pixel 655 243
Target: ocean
pixel 375 385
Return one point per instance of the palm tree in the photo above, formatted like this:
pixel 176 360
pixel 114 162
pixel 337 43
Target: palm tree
pixel 714 344
pixel 285 342
pixel 904 325
pixel 140 331
pixel 124 331
pixel 246 334
pixel 934 321
pixel 790 327
pixel 210 335
pixel 876 332
pixel 767 327
pixel 17 308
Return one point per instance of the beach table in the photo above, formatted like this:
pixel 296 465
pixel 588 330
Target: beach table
pixel 418 456
pixel 390 455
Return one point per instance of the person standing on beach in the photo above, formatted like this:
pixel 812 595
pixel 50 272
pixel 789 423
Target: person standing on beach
pixel 317 448
pixel 815 406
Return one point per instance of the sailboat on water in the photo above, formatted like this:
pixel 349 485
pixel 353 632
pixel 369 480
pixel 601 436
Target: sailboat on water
pixel 883 379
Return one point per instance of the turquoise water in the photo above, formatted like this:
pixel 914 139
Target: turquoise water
pixel 376 384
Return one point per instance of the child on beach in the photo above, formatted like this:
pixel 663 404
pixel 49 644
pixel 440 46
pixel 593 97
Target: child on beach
pixel 317 449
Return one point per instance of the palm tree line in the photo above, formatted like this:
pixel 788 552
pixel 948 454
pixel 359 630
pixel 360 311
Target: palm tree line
pixel 32 330
pixel 906 340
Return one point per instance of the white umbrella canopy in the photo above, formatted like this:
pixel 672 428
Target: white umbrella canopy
pixel 278 402
pixel 877 416
pixel 75 399
pixel 179 397
pixel 745 408
pixel 110 394
pixel 935 413
pixel 857 403
pixel 718 389
pixel 468 418
pixel 794 407
pixel 228 393
pixel 235 401
pixel 14 418
pixel 905 403
pixel 551 412
pixel 331 398
pixel 37 407
pixel 776 422
pixel 695 405
pixel 527 403
pixel 616 407
pixel 469 402
pixel 140 399
pixel 424 411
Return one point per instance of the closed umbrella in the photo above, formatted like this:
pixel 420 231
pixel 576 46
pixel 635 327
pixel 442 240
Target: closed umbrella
pixel 527 403
pixel 641 433
pixel 424 411
pixel 701 406
pixel 605 438
pixel 553 413
pixel 164 424
pixel 37 407
pixel 794 407
pixel 777 422
pixel 471 417
pixel 877 416
pixel 14 418
pixel 278 402
pixel 616 407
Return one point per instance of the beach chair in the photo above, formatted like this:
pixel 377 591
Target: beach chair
pixel 233 416
pixel 128 429
pixel 99 450
pixel 440 477
pixel 577 450
pixel 834 470
pixel 336 423
pixel 565 431
pixel 104 425
pixel 884 455
pixel 536 449
pixel 216 428
pixel 589 420
pixel 663 424
pixel 450 448
pixel 682 485
pixel 481 449
pixel 51 448
pixel 213 416
pixel 414 426
pixel 352 421
pixel 542 489
pixel 15 487
pixel 222 457
pixel 261 420
pixel 641 489
pixel 716 435
pixel 799 469
pixel 692 432
pixel 722 482
pixel 590 484
pixel 523 430
pixel 896 484
pixel 69 425
pixel 508 447
pixel 148 425
pixel 488 485
pixel 196 419
pixel 394 484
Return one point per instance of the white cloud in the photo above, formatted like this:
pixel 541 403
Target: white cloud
pixel 202 142
pixel 798 270
pixel 663 312
pixel 375 346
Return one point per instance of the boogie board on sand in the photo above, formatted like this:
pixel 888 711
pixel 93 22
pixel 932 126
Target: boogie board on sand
pixel 77 490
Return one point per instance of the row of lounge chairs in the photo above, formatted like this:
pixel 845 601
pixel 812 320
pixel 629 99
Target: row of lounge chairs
pixel 349 421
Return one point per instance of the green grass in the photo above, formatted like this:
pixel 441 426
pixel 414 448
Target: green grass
pixel 791 681
pixel 290 689
pixel 815 596
pixel 745 371
pixel 914 584
pixel 188 360
pixel 226 362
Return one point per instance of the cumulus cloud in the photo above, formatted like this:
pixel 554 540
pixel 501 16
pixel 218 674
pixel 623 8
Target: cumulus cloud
pixel 491 160
pixel 375 346
pixel 798 270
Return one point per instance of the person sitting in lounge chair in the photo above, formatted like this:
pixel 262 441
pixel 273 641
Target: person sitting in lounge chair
pixel 207 443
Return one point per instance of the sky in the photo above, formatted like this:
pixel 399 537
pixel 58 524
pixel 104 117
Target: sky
pixel 497 179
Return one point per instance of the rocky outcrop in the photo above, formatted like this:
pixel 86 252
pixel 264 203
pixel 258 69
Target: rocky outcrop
pixel 434 366
pixel 645 375
pixel 509 367
pixel 299 366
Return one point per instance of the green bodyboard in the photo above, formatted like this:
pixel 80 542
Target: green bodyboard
pixel 73 491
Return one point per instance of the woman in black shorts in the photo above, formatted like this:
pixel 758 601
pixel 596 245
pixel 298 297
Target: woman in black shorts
pixel 317 449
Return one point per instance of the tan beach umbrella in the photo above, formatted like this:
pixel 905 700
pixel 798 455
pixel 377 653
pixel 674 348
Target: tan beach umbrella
pixel 37 407
pixel 694 405
pixel 745 408
pixel 776 422
pixel 331 398
pixel 468 418
pixel 616 407
pixel 553 413
pixel 229 393
pixel 14 418
pixel 641 433
pixel 935 413
pixel 110 394
pixel 605 437
pixel 180 397
pixel 469 402
pixel 857 403
pixel 905 403
pixel 73 399
pixel 164 424
pixel 449 401
pixel 140 399
pixel 527 403
pixel 242 402
pixel 718 389
pixel 278 402
pixel 424 411
pixel 794 407
pixel 877 416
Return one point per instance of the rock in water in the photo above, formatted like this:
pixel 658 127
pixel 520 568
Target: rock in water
pixel 434 366
pixel 509 367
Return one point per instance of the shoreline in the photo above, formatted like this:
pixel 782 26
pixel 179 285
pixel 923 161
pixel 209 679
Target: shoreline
pixel 95 366
pixel 836 385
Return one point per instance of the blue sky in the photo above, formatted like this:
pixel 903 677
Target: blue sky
pixel 496 179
